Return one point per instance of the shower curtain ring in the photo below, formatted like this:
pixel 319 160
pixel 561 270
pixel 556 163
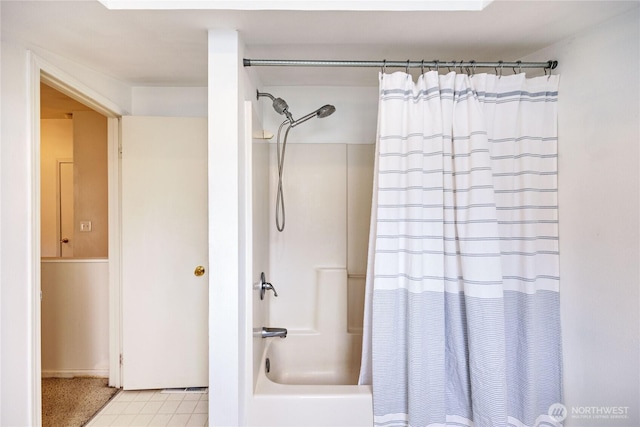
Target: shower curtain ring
pixel 384 66
pixel 501 65
pixel 437 65
pixel 550 68
pixel 406 70
pixel 422 67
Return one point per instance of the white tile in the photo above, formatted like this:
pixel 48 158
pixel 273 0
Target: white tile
pixel 198 420
pixel 160 420
pixel 159 396
pixel 202 407
pixel 169 407
pixel 126 396
pixel 115 408
pixel 123 420
pixel 192 396
pixel 134 408
pixel 186 407
pixel 144 396
pixel 142 420
pixel 179 420
pixel 151 407
pixel 175 396
pixel 103 420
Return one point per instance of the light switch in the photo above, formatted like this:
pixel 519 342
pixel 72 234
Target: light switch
pixel 85 225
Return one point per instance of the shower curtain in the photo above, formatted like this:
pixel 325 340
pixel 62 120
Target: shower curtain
pixel 462 324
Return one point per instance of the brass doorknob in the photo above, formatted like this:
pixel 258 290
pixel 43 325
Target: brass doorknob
pixel 199 271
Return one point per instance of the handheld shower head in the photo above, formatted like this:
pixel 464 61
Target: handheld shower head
pixel 322 112
pixel 325 111
pixel 281 107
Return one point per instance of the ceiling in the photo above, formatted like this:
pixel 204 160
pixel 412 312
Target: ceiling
pixel 169 47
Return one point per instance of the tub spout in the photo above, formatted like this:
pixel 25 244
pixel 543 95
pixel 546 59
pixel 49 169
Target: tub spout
pixel 274 332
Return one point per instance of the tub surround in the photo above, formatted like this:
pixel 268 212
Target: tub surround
pixel 317 265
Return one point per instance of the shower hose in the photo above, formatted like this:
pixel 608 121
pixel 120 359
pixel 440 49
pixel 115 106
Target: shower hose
pixel 280 194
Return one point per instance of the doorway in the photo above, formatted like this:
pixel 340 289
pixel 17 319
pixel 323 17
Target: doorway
pixel 74 264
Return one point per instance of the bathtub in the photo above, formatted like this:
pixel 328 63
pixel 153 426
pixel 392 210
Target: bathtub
pixel 312 381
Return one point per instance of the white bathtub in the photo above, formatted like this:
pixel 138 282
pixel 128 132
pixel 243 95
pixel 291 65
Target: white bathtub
pixel 312 382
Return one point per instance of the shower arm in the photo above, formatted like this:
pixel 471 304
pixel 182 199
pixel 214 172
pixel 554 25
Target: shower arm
pixel 268 95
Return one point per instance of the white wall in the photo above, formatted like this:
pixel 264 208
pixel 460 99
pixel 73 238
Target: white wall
pixel 229 221
pixel 75 318
pixel 16 244
pixel 169 101
pixel 599 187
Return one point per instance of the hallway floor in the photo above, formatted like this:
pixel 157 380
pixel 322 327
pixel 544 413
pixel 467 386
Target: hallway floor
pixel 154 408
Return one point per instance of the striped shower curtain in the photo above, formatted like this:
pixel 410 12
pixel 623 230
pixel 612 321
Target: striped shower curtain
pixel 462 323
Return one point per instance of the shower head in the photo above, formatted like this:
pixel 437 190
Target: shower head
pixel 322 112
pixel 279 104
pixel 281 107
pixel 325 111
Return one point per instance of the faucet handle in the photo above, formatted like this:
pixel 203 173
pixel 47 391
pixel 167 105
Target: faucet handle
pixel 264 286
pixel 269 286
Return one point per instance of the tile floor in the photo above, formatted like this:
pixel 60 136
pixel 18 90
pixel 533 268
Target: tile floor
pixel 154 408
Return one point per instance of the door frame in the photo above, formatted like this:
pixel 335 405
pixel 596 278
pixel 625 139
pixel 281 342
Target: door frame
pixel 43 71
pixel 59 234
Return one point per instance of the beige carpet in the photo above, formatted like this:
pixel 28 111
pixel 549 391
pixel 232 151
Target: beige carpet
pixel 71 402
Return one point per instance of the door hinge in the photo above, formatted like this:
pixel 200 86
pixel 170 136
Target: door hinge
pixel 120 359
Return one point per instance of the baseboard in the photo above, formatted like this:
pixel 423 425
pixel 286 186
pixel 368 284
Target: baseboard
pixel 72 373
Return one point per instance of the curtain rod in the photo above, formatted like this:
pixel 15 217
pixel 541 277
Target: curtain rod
pixel 396 64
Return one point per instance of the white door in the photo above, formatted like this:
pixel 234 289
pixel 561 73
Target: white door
pixel 164 240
